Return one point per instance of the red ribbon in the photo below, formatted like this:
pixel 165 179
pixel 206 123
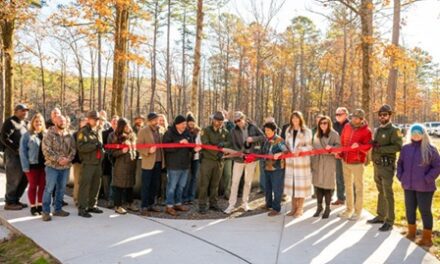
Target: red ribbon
pixel 247 157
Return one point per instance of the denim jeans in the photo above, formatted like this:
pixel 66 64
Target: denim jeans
pixel 176 182
pixel 340 186
pixel 189 192
pixel 262 175
pixel 150 185
pixel 55 179
pixel 274 189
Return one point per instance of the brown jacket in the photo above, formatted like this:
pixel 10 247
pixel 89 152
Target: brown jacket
pixel 145 136
pixel 124 169
pixel 56 146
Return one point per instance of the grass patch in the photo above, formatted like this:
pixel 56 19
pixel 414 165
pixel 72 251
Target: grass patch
pixel 370 202
pixel 20 249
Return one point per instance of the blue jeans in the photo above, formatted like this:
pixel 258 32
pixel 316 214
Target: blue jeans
pixel 274 189
pixel 55 179
pixel 176 182
pixel 189 192
pixel 262 175
pixel 150 185
pixel 340 186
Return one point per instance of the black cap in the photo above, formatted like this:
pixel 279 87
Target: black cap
pixel 152 115
pixel 179 119
pixel 190 118
pixel 21 107
pixel 218 116
pixel 385 109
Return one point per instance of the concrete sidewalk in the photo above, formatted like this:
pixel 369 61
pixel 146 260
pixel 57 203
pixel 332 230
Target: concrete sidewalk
pixel 111 238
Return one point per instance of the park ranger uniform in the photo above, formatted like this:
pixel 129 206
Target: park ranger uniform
pixel 91 153
pixel 211 166
pixel 387 142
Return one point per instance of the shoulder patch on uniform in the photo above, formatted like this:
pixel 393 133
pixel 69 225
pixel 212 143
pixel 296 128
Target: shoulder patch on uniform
pixel 80 136
pixel 399 133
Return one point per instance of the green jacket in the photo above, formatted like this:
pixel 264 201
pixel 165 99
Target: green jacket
pixel 387 142
pixel 209 136
pixel 90 145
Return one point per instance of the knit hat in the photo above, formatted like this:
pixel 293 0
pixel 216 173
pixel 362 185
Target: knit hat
pixel 190 118
pixel 179 119
pixel 152 115
pixel 417 129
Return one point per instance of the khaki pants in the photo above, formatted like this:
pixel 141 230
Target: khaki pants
pixel 76 174
pixel 354 176
pixel 237 172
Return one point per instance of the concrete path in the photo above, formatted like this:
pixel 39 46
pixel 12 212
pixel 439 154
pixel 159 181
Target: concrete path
pixel 111 238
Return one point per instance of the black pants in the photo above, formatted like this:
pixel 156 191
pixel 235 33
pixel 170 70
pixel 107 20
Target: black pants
pixel 422 200
pixel 120 193
pixel 323 193
pixel 16 180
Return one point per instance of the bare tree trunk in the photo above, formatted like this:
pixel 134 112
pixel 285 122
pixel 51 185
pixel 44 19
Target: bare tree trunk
pixel 393 73
pixel 43 83
pixel 168 73
pixel 92 81
pixel 340 96
pixel 153 62
pixel 119 60
pixel 7 30
pixel 182 92
pixel 367 53
pixel 2 82
pixel 104 89
pixel 100 105
pixel 197 55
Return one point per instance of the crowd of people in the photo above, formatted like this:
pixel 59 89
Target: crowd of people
pixel 104 157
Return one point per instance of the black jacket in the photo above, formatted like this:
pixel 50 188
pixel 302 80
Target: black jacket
pixel 338 127
pixel 177 158
pixel 12 130
pixel 237 143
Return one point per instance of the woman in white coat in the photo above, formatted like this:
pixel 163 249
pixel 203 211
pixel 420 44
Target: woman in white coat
pixel 298 175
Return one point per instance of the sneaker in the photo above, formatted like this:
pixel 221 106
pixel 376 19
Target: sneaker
pixel 84 213
pixel 355 217
pixel 95 210
pixel 46 217
pixel 229 210
pixel 61 213
pixel 120 210
pixel 132 207
pixel 345 215
pixel 13 207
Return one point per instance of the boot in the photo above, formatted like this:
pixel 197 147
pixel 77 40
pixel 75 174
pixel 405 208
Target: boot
pixel 300 209
pixel 426 240
pixel 411 234
pixel 39 209
pixel 294 207
pixel 326 212
pixel 318 210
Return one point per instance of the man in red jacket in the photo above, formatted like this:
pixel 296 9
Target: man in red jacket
pixel 356 135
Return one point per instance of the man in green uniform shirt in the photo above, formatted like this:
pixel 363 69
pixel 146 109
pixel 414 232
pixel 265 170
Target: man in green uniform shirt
pixel 211 166
pixel 387 141
pixel 91 153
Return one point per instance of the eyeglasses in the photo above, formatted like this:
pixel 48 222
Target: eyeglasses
pixel 383 114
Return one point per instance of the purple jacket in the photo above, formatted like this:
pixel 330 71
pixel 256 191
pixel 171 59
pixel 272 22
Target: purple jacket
pixel 412 174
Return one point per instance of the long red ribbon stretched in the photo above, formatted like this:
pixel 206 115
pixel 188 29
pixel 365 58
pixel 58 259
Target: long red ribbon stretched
pixel 248 157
